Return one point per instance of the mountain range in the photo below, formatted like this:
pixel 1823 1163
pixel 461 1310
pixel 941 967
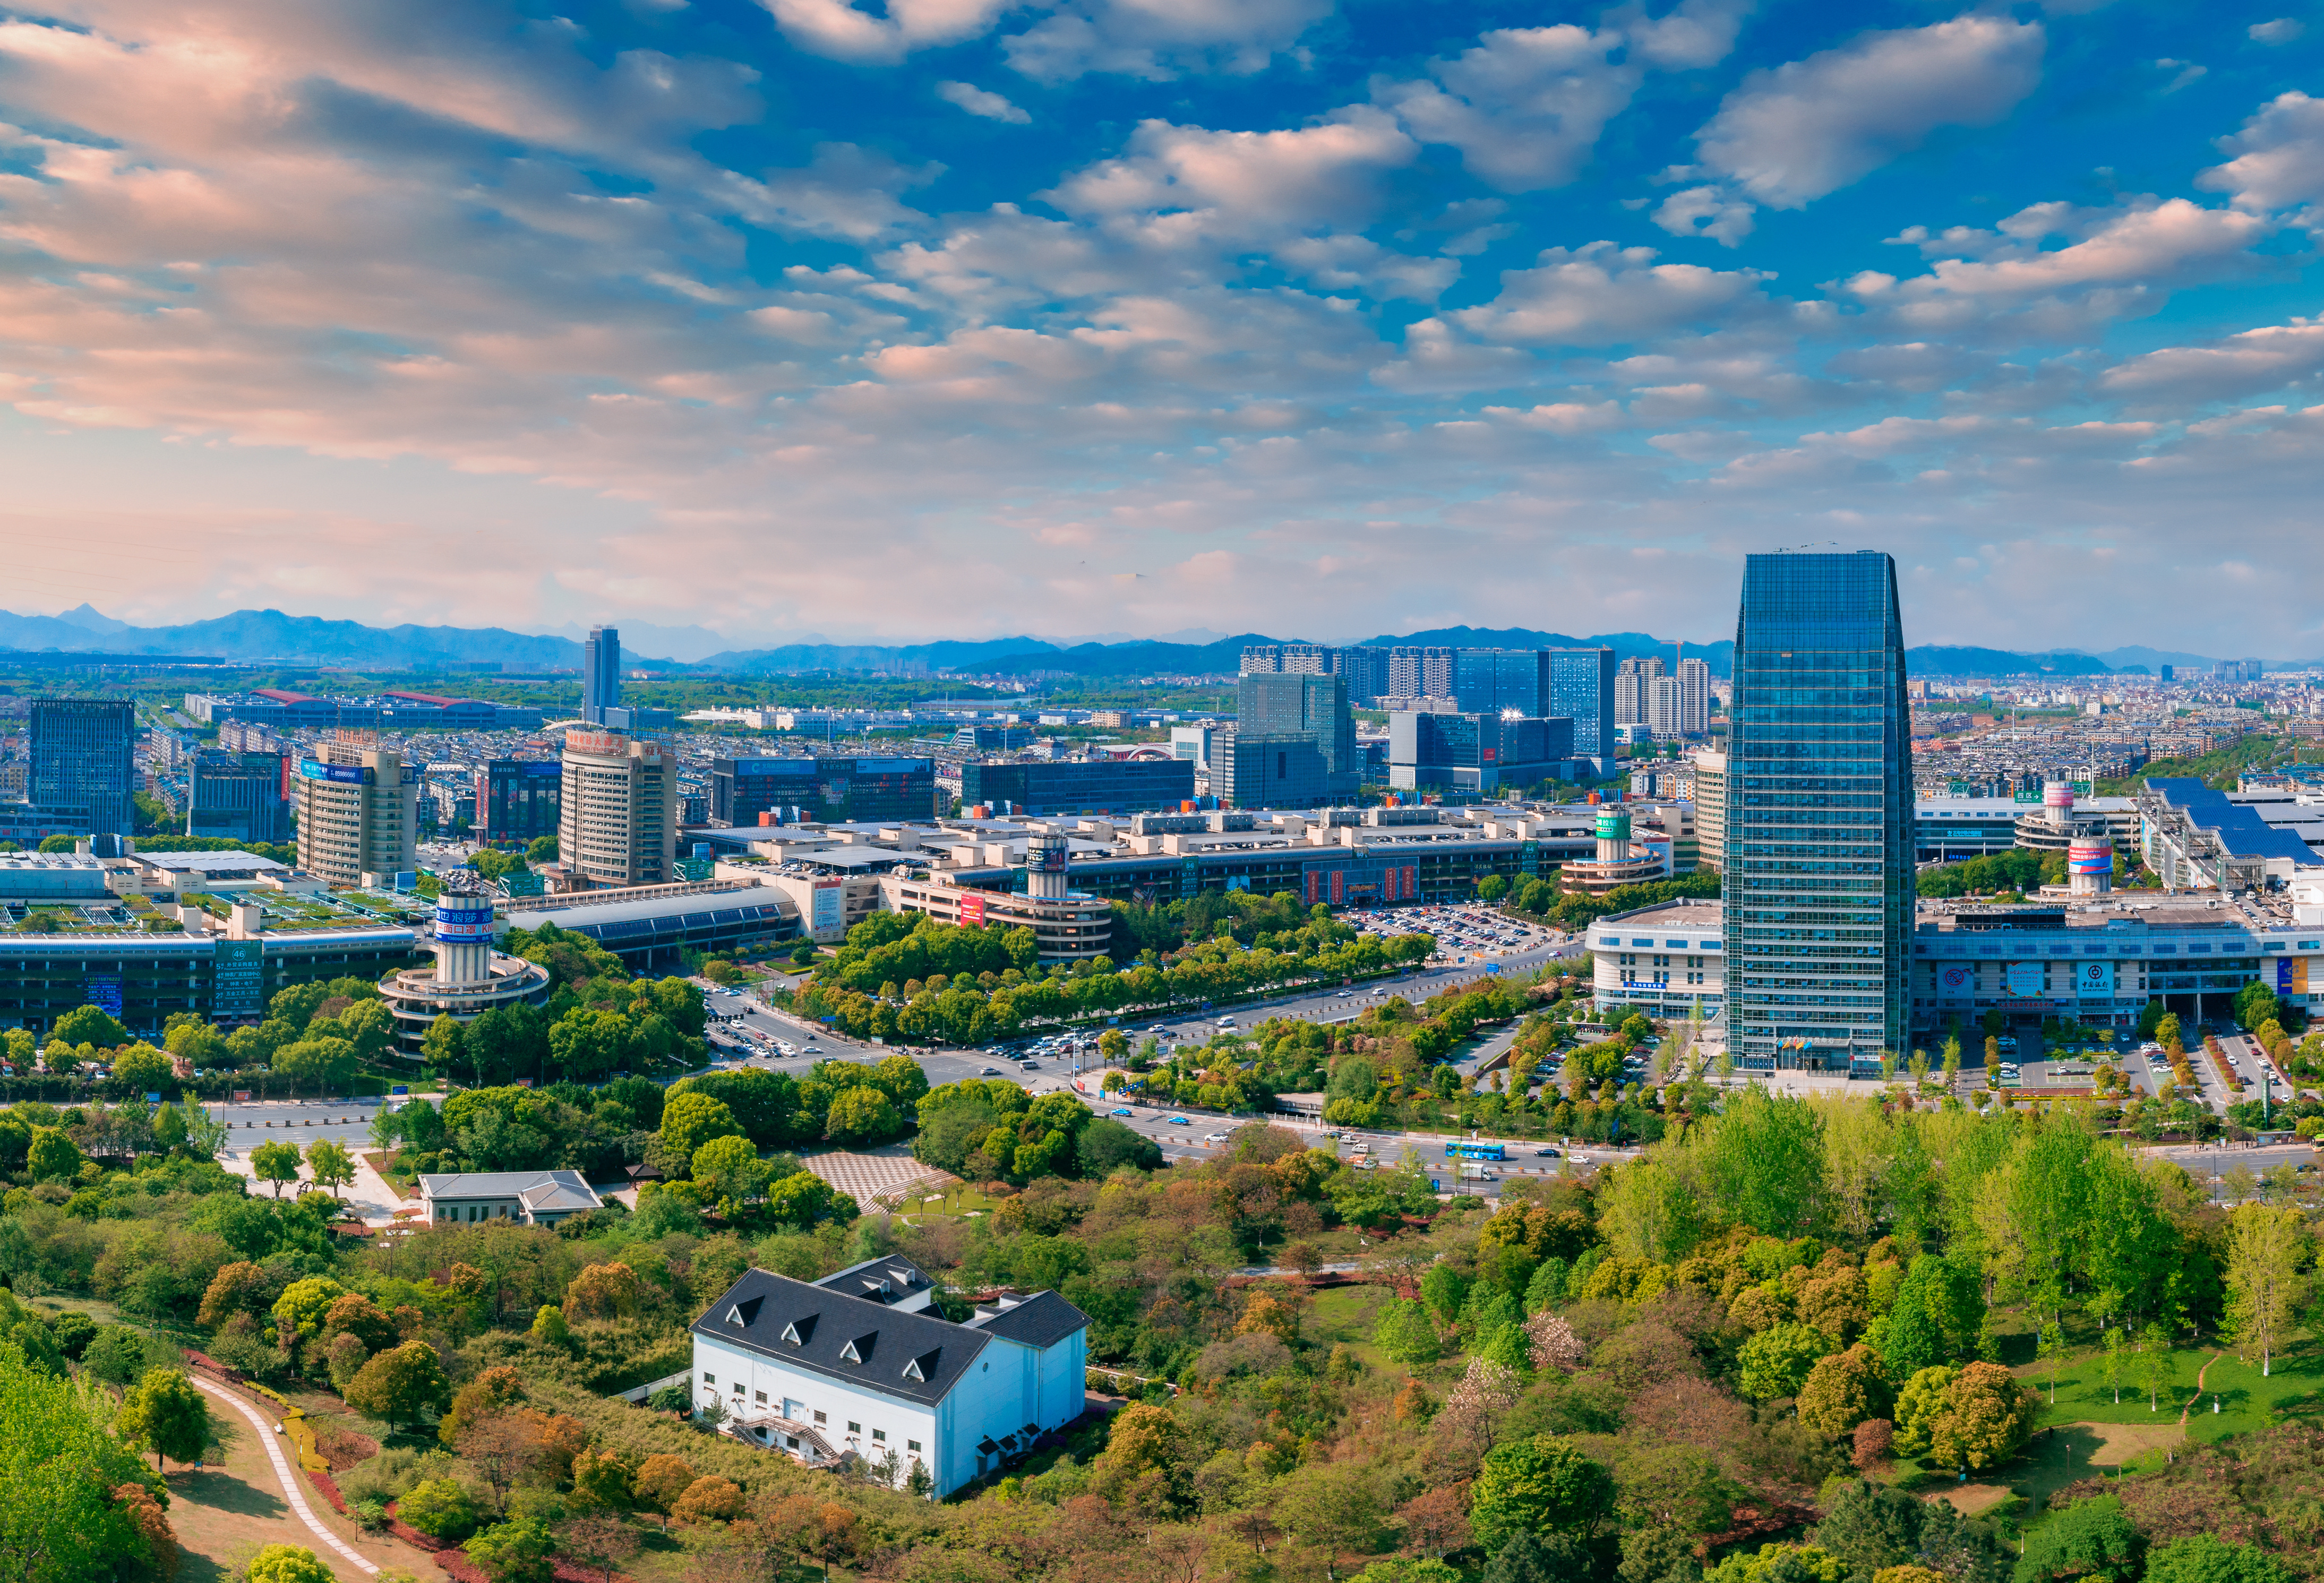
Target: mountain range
pixel 271 637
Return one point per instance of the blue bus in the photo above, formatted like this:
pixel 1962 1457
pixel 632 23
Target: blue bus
pixel 1474 1150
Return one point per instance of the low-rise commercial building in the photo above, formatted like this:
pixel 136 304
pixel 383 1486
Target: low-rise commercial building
pixel 1079 786
pixel 527 1198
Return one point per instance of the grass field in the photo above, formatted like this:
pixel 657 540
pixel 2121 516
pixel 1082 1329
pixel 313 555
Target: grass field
pixel 2294 1386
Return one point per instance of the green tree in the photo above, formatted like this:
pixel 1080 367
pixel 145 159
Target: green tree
pixel 287 1563
pixel 1984 1421
pixel 277 1162
pixel 169 1415
pixel 541 849
pixel 400 1386
pixel 58 1522
pixel 439 1507
pixel 2205 1557
pixel 1919 1401
pixel 90 1025
pixel 1841 1391
pixel 692 1119
pixel 513 1553
pixel 445 1046
pixel 324 1063
pixel 1766 1162
pixel 1776 1361
pixel 863 1115
pixel 51 1156
pixel 141 1069
pixel 2265 1249
pixel 1404 1334
pixel 1543 1484
pixel 730 1168
pixel 2093 1539
pixel 330 1164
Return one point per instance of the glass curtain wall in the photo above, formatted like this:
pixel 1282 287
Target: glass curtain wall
pixel 1818 839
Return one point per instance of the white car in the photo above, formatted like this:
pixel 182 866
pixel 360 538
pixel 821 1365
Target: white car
pixel 1214 1138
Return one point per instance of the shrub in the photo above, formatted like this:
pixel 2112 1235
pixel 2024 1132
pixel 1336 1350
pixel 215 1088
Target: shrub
pixel 287 1563
pixel 708 1499
pixel 439 1508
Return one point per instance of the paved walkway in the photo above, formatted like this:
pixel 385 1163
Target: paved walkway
pixel 369 1196
pixel 873 1175
pixel 289 1482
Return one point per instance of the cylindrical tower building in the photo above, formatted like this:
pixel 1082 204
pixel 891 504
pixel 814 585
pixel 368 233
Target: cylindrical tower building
pixel 2090 865
pixel 1044 867
pixel 1613 827
pixel 2058 803
pixel 464 929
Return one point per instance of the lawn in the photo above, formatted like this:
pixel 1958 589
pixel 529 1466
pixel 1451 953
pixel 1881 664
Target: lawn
pixel 960 1201
pixel 2246 1401
pixel 1347 1314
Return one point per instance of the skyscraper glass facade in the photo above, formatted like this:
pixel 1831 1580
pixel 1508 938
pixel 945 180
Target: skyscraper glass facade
pixel 601 673
pixel 85 761
pixel 1582 688
pixel 1819 833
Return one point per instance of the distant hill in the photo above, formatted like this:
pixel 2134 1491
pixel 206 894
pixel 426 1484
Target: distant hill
pixel 1932 660
pixel 270 637
pixel 1719 656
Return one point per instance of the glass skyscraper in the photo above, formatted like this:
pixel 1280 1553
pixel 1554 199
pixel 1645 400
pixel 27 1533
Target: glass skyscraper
pixel 1582 688
pixel 601 673
pixel 1819 841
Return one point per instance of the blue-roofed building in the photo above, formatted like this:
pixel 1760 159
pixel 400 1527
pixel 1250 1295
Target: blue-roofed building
pixel 2195 838
pixel 646 929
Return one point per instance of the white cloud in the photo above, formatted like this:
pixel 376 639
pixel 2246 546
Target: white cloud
pixel 2279 160
pixel 1795 134
pixel 2253 362
pixel 1705 211
pixel 1525 107
pixel 1247 183
pixel 2148 244
pixel 979 101
pixel 846 193
pixel 2182 72
pixel 837 29
pixel 2281 30
pixel 1693 35
pixel 1158 39
pixel 1600 295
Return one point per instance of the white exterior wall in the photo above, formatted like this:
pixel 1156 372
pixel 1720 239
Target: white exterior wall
pixel 841 1403
pixel 484 1208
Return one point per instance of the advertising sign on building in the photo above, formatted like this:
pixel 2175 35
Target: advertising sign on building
pixel 830 906
pixel 464 919
pixel 237 977
pixel 971 911
pixel 2094 980
pixel 346 774
pixel 2291 975
pixel 2024 979
pixel 103 991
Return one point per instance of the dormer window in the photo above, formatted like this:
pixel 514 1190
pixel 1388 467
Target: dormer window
pixel 799 1331
pixel 859 1349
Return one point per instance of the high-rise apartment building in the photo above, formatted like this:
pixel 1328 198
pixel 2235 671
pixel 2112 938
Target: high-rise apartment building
pixel 1420 672
pixel 83 754
pixel 1694 697
pixel 617 817
pixel 358 813
pixel 1315 705
pixel 1709 799
pixel 239 797
pixel 1632 679
pixel 1664 696
pixel 601 673
pixel 1582 688
pixel 1366 669
pixel 1818 841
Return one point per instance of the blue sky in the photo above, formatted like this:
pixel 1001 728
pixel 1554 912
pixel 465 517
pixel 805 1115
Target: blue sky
pixel 960 319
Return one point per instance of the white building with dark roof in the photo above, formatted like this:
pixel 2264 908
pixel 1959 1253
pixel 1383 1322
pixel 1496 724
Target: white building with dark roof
pixel 530 1198
pixel 859 1363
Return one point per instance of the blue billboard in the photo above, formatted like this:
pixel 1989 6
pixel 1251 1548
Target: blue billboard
pixel 346 774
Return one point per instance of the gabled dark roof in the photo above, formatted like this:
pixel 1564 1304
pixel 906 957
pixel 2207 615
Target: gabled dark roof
pixel 902 1277
pixel 1040 1321
pixel 829 1322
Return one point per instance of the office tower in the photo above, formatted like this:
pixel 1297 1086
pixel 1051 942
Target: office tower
pixel 1474 753
pixel 1315 705
pixel 617 819
pixel 239 797
pixel 84 753
pixel 1419 672
pixel 358 812
pixel 1268 769
pixel 1711 806
pixel 1582 688
pixel 517 800
pixel 1631 679
pixel 1694 697
pixel 827 788
pixel 1080 786
pixel 1819 835
pixel 601 673
pixel 1501 681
